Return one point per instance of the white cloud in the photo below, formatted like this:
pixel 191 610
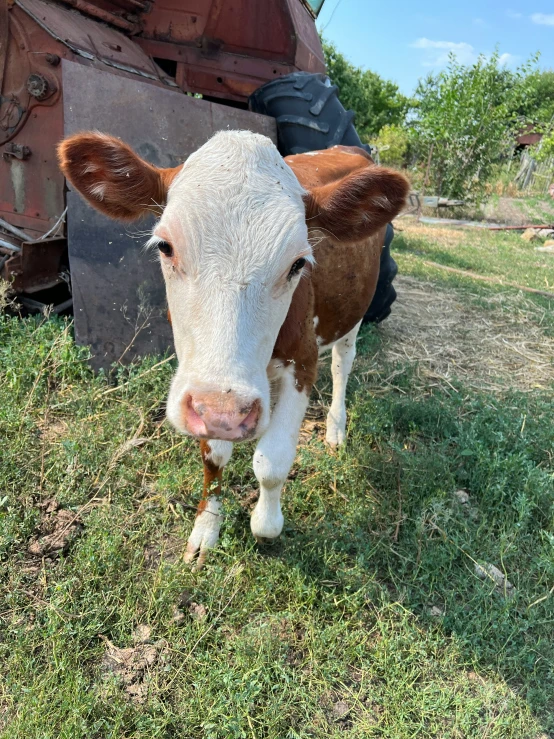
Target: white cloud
pixel 506 59
pixel 436 52
pixel 542 19
pixel 480 23
pixel 514 15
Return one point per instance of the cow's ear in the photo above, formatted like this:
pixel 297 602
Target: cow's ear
pixel 359 204
pixel 111 177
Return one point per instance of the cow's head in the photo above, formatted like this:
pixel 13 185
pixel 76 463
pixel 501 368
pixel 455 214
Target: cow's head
pixel 233 245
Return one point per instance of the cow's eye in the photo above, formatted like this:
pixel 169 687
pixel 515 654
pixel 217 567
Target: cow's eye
pixel 165 248
pixel 296 267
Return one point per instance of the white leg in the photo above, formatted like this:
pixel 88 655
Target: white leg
pixel 274 456
pixel 205 533
pixel 342 359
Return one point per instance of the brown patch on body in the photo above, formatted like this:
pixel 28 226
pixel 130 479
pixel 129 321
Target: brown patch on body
pixel 348 205
pixel 345 279
pixel 296 342
pixel 314 170
pixel 212 474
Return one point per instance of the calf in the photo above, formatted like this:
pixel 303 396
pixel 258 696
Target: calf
pixel 267 263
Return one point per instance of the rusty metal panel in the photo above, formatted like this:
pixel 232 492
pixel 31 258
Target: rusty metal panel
pixel 37 266
pixel 228 49
pixel 180 21
pixel 31 185
pixel 90 39
pixel 119 296
pixel 248 27
pixel 309 54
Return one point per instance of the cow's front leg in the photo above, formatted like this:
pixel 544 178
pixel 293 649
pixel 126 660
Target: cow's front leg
pixel 342 359
pixel 205 534
pixel 275 454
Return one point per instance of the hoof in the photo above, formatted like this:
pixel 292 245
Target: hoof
pixel 265 541
pixel 204 535
pixel 335 437
pixel 195 557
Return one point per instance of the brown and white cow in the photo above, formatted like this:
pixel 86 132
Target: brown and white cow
pixel 267 263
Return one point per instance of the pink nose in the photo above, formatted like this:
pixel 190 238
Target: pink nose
pixel 217 415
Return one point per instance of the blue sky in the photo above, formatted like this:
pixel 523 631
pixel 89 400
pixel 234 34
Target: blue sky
pixel 404 40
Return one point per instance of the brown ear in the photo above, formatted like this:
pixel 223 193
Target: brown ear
pixel 111 177
pixel 359 204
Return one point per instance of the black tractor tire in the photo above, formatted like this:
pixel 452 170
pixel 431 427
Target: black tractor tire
pixel 308 112
pixel 310 117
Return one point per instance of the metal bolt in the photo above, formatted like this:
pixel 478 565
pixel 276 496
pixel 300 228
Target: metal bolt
pixel 37 86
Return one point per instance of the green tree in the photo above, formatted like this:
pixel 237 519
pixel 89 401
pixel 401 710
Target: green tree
pixel 465 123
pixel 392 144
pixel 377 102
pixel 538 106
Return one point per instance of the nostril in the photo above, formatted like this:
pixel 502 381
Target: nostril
pixel 192 417
pixel 220 416
pixel 198 406
pixel 250 419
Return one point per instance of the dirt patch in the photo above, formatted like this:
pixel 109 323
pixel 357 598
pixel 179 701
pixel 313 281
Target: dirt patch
pixel 510 211
pixel 56 530
pixel 196 611
pixel 314 424
pixel 311 429
pixel 247 498
pixel 52 431
pixel 133 664
pixel 440 332
pixel 169 550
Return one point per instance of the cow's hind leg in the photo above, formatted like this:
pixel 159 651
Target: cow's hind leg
pixel 275 454
pixel 205 534
pixel 342 359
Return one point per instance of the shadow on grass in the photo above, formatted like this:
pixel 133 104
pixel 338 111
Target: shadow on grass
pixel 391 528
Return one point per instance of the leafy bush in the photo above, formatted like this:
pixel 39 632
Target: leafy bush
pixel 465 123
pixel 538 104
pixel 376 102
pixel 392 144
pixel 545 150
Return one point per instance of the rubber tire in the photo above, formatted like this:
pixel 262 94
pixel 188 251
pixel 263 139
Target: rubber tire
pixel 310 117
pixel 308 112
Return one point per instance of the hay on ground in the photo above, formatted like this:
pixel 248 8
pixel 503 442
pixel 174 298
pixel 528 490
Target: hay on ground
pixel 447 336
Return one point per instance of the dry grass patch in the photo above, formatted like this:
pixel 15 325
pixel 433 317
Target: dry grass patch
pixel 445 236
pixel 447 336
pixel 5 294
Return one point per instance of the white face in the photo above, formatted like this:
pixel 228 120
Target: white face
pixel 233 240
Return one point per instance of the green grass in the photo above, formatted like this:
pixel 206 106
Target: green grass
pixel 329 632
pixel 537 208
pixel 501 255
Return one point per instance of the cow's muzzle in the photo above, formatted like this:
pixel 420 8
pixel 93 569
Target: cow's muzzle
pixel 220 415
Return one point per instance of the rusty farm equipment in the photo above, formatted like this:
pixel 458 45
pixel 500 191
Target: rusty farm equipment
pixel 137 69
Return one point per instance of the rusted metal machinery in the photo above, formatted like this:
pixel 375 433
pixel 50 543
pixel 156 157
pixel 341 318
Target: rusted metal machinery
pixel 122 66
